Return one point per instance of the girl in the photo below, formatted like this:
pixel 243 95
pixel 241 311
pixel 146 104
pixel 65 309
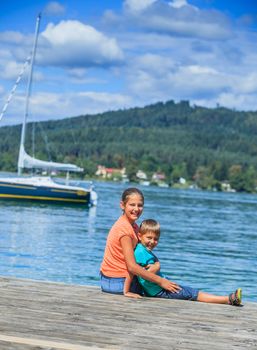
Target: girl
pixel 118 261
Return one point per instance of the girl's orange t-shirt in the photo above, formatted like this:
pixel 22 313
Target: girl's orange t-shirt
pixel 113 264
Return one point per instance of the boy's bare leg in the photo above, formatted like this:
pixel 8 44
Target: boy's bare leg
pixel 211 298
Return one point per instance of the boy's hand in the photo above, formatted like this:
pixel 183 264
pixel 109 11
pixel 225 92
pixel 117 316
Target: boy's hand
pixel 154 268
pixel 170 286
pixel 133 295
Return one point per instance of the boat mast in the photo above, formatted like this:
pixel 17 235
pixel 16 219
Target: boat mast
pixel 23 130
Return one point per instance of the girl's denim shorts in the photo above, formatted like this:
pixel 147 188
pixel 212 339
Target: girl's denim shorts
pixel 115 285
pixel 111 284
pixel 186 293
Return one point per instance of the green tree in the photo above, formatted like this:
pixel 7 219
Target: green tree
pixel 242 180
pixel 203 178
pixel 179 170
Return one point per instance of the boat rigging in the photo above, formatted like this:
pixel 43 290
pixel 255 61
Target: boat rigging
pixel 40 188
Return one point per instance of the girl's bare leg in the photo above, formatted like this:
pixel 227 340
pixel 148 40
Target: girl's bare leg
pixel 211 298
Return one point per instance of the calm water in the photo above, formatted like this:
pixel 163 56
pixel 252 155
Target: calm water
pixel 208 240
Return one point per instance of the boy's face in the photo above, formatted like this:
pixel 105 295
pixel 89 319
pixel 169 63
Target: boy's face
pixel 149 239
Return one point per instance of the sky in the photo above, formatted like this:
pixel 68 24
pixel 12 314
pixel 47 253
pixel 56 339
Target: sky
pixel 100 55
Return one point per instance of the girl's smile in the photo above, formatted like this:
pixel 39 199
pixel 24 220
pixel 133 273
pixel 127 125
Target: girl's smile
pixel 133 207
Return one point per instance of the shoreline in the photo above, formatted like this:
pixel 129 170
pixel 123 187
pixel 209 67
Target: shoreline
pixel 189 186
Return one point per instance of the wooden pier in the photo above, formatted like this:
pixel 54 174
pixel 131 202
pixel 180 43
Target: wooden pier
pixel 37 315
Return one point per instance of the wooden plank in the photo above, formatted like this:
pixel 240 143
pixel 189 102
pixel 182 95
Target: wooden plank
pixel 25 342
pixel 40 315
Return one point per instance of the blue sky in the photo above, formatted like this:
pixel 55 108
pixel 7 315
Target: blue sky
pixel 94 56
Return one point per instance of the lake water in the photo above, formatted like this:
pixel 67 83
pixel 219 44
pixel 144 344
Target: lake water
pixel 208 239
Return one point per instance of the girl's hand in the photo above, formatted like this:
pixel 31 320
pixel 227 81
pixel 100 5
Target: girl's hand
pixel 154 268
pixel 170 286
pixel 132 295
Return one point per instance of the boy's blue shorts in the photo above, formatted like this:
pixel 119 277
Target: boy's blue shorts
pixel 186 293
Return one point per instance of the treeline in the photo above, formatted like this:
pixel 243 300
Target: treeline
pixel 207 146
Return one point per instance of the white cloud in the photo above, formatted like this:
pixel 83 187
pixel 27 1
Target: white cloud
pixel 238 101
pixel 136 6
pixel 100 99
pixel 54 8
pixel 12 37
pixel 188 23
pixel 5 55
pixel 158 50
pixel 178 3
pixel 74 44
pixel 162 78
pixel 10 70
pixel 246 84
pixel 206 82
pixel 196 80
pixel 201 70
pixel 46 106
pixel 176 18
pixel 14 47
pixel 185 28
pixel 78 73
pixel 80 76
pixel 155 65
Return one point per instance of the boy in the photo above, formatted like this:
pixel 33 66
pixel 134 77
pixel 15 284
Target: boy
pixel 149 234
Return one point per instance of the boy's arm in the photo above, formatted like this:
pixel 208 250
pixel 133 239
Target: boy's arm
pixel 126 288
pixel 154 268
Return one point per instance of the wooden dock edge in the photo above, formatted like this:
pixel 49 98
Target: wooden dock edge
pixel 44 315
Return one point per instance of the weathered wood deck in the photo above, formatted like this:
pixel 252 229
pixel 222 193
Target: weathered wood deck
pixel 37 315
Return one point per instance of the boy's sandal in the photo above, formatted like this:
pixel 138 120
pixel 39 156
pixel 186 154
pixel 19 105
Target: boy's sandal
pixel 236 297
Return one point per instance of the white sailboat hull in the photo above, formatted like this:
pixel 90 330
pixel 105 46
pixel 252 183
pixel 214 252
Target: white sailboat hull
pixel 40 188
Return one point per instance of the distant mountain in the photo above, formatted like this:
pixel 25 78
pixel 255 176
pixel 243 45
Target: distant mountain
pixel 174 138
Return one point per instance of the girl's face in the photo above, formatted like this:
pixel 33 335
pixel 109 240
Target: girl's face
pixel 133 207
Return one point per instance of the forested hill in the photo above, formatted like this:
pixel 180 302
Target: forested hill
pixel 207 145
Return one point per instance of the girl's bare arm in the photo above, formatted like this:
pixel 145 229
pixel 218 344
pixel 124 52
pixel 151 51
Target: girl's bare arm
pixel 126 290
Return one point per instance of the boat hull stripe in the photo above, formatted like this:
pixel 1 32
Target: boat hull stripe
pixel 43 198
pixel 42 193
pixel 18 186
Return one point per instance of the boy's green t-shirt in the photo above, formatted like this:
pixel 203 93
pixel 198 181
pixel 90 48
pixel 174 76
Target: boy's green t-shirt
pixel 145 257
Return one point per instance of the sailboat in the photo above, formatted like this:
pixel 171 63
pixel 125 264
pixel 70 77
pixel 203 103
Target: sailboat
pixel 42 188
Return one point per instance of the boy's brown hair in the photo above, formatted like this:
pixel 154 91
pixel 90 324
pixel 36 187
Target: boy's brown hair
pixel 150 225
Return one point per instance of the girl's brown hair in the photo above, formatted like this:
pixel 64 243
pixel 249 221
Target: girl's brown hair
pixel 150 225
pixel 130 191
